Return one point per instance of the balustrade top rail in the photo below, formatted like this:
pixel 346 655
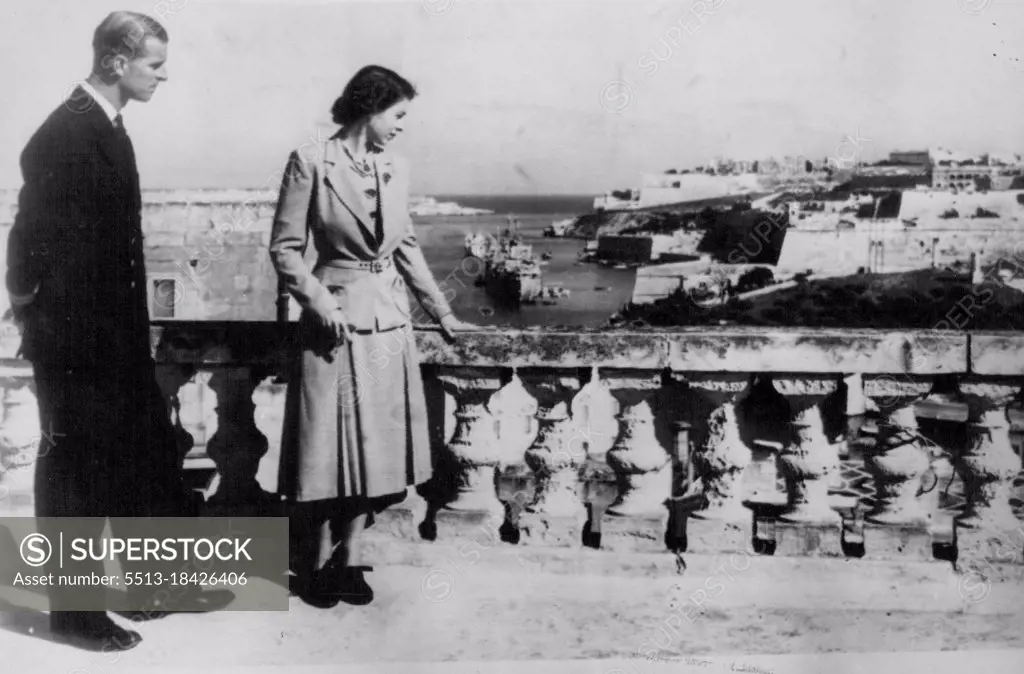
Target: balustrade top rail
pixel 732 349
pixel 697 349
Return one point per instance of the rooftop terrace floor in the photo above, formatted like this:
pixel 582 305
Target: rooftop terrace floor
pixel 434 605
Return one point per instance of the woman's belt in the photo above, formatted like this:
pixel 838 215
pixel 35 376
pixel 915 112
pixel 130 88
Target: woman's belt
pixel 375 266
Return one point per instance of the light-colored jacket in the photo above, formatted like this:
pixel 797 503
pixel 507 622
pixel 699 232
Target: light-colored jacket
pixel 319 200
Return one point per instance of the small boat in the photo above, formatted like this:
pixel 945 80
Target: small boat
pixel 560 228
pixel 476 245
pixel 551 294
pixel 589 252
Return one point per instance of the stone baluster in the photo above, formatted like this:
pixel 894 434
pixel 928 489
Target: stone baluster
pixel 514 412
pixel 857 407
pixel 988 529
pixel 898 525
pixel 171 378
pixel 594 411
pixel 808 462
pixel 684 458
pixel 683 474
pixel 638 517
pixel 833 417
pixel 238 445
pixel 723 523
pixel 856 400
pixel 21 441
pixel 471 457
pixel 556 515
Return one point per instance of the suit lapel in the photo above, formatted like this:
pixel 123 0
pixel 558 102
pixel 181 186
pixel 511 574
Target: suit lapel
pixel 338 177
pixel 391 197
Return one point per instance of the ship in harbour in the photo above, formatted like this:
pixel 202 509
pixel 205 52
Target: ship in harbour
pixel 512 273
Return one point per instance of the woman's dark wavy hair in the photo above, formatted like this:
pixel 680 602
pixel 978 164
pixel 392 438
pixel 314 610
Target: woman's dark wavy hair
pixel 371 90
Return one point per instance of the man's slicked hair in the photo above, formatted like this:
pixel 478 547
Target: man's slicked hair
pixel 123 33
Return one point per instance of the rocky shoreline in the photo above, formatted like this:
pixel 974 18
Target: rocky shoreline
pixel 917 300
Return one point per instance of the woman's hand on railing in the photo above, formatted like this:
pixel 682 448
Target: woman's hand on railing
pixel 451 325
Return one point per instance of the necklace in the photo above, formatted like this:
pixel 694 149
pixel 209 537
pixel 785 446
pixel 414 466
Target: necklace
pixel 362 167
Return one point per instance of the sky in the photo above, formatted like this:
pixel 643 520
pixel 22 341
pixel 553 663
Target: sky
pixel 548 97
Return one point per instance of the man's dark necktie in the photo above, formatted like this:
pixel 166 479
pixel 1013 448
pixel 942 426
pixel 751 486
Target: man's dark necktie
pixel 123 141
pixel 122 134
pixel 125 147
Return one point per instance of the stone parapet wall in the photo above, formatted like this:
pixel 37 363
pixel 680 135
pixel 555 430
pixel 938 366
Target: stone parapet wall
pixel 659 440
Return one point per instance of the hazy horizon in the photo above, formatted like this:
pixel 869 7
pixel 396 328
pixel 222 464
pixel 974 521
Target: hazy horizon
pixel 519 97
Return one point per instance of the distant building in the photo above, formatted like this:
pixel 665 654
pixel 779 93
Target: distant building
pixel 915 157
pixel 618 200
pixel 962 177
pixel 1007 177
pixel 946 157
pixel 1006 160
pixel 664 189
pixel 827 206
pixel 879 178
pixel 987 171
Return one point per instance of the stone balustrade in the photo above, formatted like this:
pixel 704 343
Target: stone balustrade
pixel 691 439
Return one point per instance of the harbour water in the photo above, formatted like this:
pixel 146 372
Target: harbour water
pixel 596 292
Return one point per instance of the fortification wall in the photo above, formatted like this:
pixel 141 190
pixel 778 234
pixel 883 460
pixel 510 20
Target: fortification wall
pixel 207 248
pixel 891 247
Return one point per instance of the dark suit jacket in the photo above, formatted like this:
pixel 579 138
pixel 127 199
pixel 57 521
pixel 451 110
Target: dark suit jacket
pixel 78 238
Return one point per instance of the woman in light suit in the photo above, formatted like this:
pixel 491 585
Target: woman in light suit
pixel 355 422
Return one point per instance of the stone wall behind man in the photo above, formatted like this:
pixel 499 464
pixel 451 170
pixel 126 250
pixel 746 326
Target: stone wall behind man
pixel 208 248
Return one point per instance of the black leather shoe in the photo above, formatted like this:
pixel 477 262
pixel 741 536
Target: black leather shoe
pixel 353 588
pixel 316 588
pixel 92 631
pixel 317 596
pixel 333 585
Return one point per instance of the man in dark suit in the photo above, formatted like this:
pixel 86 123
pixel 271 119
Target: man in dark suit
pixel 77 283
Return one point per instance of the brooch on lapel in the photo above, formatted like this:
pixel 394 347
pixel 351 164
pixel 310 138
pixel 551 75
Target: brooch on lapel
pixel 386 169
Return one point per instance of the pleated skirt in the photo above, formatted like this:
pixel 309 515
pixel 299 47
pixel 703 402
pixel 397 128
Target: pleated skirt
pixel 355 419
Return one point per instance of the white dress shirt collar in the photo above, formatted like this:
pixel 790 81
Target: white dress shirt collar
pixel 103 102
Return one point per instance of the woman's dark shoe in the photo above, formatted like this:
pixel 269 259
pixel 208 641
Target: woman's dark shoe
pixel 332 585
pixel 310 588
pixel 354 588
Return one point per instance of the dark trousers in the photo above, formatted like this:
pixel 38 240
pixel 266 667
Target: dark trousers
pixel 108 450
